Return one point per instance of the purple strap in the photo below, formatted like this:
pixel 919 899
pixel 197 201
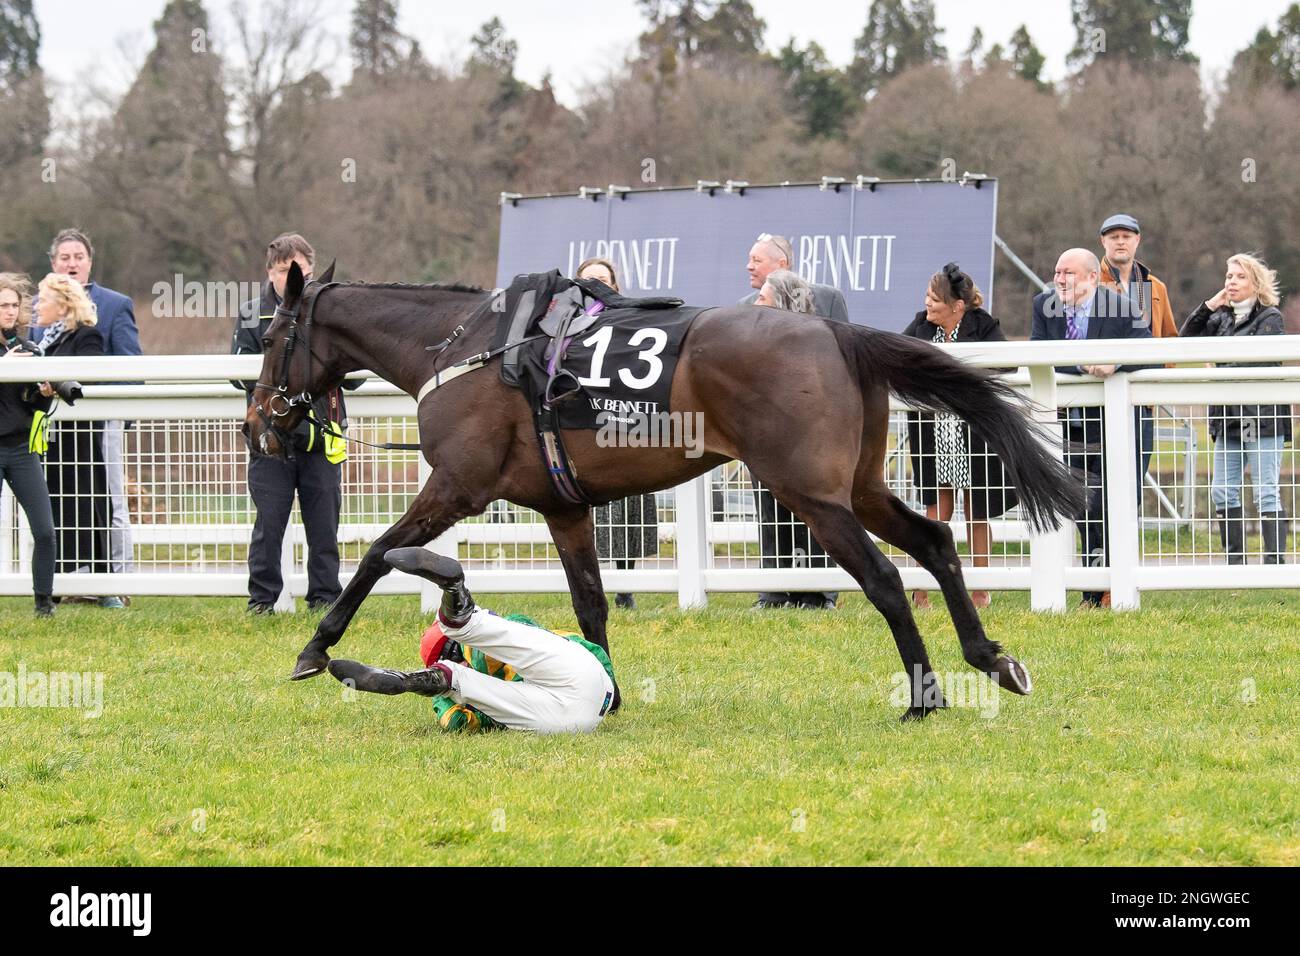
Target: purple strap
pixel 557 354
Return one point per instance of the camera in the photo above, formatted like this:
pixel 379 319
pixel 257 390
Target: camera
pixel 67 391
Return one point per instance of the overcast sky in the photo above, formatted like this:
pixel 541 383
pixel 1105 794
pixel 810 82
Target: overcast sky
pixel 84 40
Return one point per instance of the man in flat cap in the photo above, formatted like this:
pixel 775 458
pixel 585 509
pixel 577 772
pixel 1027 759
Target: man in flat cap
pixel 1120 271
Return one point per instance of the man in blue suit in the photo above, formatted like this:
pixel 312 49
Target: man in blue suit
pixel 72 254
pixel 1078 307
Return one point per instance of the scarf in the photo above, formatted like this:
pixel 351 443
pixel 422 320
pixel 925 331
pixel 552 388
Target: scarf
pixel 1242 309
pixel 52 337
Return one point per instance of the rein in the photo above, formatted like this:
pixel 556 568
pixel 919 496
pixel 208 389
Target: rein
pixel 273 412
pixel 280 391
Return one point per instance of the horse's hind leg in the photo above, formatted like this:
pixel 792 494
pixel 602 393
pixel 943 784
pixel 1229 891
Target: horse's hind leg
pixel 931 544
pixel 838 530
pixel 431 513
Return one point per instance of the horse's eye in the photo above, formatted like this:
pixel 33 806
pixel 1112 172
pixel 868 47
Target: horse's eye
pixel 267 342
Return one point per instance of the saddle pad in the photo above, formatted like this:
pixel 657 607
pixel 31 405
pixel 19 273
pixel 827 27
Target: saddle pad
pixel 624 364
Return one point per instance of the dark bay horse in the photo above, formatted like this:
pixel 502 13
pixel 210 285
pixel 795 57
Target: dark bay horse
pixel 802 401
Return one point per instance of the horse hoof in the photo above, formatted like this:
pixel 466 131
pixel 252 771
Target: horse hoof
pixel 1012 675
pixel 310 664
pixel 916 713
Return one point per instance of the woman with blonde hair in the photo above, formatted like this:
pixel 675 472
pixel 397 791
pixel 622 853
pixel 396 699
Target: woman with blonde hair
pixel 74 465
pixel 1246 435
pixel 20 434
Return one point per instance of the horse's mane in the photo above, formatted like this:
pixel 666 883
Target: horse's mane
pixel 415 286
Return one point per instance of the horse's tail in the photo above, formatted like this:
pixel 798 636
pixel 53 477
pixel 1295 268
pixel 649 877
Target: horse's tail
pixel 926 377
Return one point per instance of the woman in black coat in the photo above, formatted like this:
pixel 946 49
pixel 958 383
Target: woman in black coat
pixel 1246 435
pixel 945 455
pixel 74 465
pixel 20 438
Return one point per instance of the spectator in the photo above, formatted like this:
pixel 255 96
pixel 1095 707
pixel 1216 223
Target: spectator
pixel 22 410
pixel 784 540
pixel 71 254
pixel 314 471
pixel 629 529
pixel 945 455
pixel 1243 435
pixel 770 253
pixel 1122 273
pixel 74 464
pixel 1079 308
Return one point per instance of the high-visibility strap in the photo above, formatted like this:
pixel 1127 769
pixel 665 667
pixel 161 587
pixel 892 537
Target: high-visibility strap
pixel 38 441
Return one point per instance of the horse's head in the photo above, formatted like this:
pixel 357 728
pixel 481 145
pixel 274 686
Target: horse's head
pixel 295 369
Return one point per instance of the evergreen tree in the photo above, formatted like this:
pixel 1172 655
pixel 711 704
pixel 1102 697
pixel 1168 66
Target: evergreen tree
pixel 163 162
pixel 897 36
pixel 823 95
pixel 1026 59
pixel 1274 56
pixel 1143 30
pixel 494 55
pixel 493 50
pixel 709 32
pixel 975 47
pixel 734 31
pixel 375 40
pixel 24 105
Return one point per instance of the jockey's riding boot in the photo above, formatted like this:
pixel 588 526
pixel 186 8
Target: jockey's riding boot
pixel 457 602
pixel 1232 533
pixel 430 682
pixel 1275 526
pixel 382 680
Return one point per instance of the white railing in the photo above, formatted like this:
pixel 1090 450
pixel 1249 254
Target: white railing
pixel 187 443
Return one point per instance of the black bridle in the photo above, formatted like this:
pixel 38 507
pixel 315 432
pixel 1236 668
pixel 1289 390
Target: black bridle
pixel 280 404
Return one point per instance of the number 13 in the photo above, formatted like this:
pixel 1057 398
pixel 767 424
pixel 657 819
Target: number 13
pixel 601 340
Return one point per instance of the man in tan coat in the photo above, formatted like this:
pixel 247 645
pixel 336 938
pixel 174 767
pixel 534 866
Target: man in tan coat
pixel 1122 273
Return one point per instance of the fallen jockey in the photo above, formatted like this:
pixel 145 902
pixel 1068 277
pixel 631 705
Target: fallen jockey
pixel 486 671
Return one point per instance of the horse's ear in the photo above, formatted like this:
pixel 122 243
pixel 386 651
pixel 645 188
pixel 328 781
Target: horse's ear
pixel 328 275
pixel 293 283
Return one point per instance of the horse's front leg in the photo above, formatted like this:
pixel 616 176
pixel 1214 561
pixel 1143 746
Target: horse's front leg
pixel 431 513
pixel 574 537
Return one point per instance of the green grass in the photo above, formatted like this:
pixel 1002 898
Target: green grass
pixel 737 727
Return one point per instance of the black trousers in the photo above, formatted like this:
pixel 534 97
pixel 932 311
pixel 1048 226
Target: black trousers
pixel 786 542
pixel 1146 440
pixel 1084 457
pixel 272 483
pixel 78 486
pixel 22 470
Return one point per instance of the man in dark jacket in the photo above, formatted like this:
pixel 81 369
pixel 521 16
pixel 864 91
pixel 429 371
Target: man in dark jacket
pixel 72 254
pixel 1079 308
pixel 314 471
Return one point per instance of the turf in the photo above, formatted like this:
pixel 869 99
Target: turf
pixel 1167 736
